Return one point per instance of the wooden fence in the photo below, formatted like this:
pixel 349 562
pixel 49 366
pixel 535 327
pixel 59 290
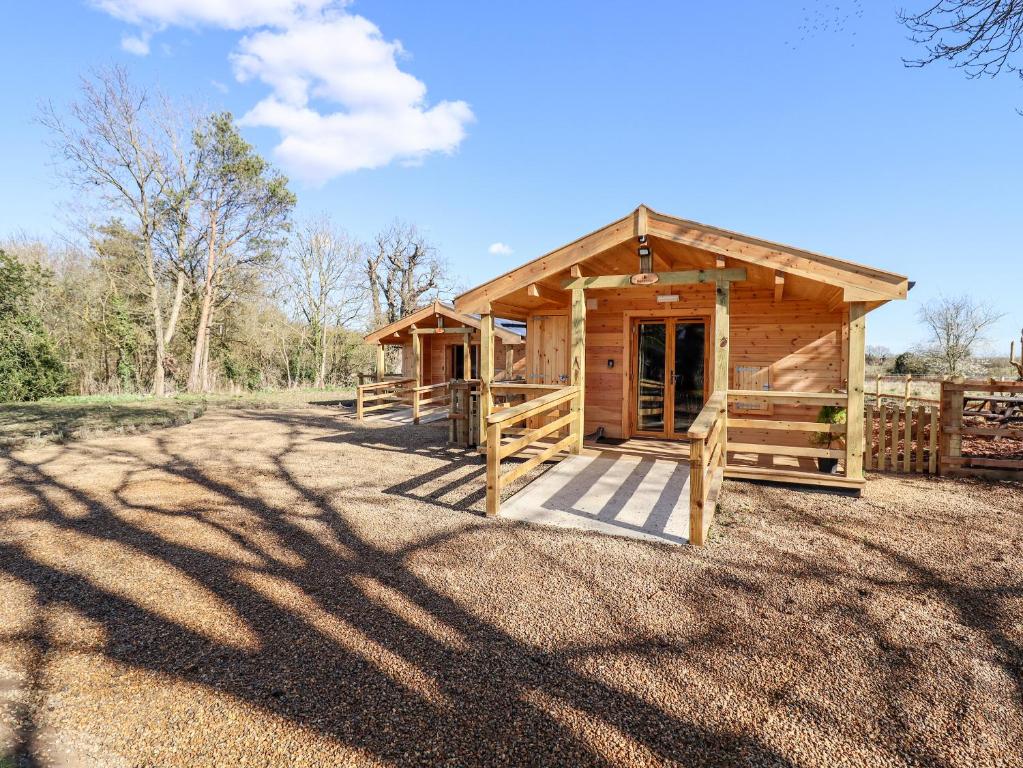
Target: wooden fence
pixel 979 419
pixel 901 437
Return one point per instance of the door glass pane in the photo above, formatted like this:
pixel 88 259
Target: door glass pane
pixel 688 374
pixel 650 389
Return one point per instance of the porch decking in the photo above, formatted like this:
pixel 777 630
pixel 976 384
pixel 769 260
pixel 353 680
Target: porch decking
pixel 610 492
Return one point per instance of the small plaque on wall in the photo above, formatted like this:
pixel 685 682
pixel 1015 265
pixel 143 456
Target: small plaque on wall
pixel 644 278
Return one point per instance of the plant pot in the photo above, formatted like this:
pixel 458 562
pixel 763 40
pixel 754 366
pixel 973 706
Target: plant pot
pixel 827 466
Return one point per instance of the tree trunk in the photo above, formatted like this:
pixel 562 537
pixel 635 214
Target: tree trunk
pixel 172 321
pixel 196 379
pixel 154 300
pixel 321 376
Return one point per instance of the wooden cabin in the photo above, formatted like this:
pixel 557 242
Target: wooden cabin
pixel 721 346
pixel 437 345
pixel 435 342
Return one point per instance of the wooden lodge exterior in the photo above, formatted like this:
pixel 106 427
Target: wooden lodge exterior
pixel 437 345
pixel 658 327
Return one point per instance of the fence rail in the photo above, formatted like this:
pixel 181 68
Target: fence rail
pixel 382 394
pixel 562 403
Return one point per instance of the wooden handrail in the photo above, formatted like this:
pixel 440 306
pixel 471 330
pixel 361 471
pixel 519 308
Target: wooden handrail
pixel 703 423
pixel 430 387
pixel 526 437
pixel 386 383
pixel 792 398
pixel 532 407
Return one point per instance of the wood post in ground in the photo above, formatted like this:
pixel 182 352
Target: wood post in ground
pixel 358 404
pixel 486 366
pixel 417 372
pixel 855 385
pixel 578 368
pixel 950 441
pixel 380 362
pixel 466 357
pixel 493 469
pixel 722 366
pixel 697 475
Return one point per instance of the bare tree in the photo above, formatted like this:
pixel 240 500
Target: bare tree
pixel 979 36
pixel 402 270
pixel 957 324
pixel 111 144
pixel 324 275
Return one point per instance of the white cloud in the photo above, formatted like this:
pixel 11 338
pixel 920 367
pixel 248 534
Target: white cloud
pixel 500 249
pixel 227 14
pixel 219 86
pixel 137 44
pixel 337 96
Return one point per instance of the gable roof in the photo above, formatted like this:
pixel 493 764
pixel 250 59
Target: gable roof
pixel 426 317
pixel 857 282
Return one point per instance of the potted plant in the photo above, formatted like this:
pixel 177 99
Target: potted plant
pixel 828 414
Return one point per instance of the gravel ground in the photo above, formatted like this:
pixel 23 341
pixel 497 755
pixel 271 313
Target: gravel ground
pixel 284 587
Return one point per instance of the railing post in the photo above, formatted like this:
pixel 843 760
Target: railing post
pixel 358 403
pixel 854 387
pixel 417 354
pixel 578 362
pixel 380 362
pixel 493 469
pixel 950 437
pixel 696 491
pixel 486 371
pixel 722 367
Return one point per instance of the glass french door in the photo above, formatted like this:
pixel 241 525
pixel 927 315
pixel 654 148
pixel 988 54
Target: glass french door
pixel 669 374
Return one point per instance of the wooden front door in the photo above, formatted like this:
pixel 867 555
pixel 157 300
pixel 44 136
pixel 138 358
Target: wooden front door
pixel 668 365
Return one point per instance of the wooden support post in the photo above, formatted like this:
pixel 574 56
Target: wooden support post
pixel 909 383
pixel 721 356
pixel 493 469
pixel 358 404
pixel 417 354
pixel 697 492
pixel 855 385
pixel 509 362
pixel 950 433
pixel 380 362
pixel 466 357
pixel 486 404
pixel 578 368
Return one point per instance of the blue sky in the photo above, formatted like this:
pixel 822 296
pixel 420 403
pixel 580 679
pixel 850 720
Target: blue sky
pixel 538 122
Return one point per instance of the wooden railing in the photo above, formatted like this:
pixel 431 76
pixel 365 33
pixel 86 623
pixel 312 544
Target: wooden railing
pixel 708 448
pixel 382 394
pixel 777 448
pixel 563 403
pixel 901 438
pixel 982 412
pixel 429 394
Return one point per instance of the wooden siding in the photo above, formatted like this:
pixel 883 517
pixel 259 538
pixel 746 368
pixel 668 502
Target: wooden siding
pixel 436 358
pixel 798 343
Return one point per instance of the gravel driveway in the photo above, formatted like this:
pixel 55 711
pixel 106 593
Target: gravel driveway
pixel 287 588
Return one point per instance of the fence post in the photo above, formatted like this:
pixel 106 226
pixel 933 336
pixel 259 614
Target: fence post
pixel 493 469
pixel 951 439
pixel 358 403
pixel 696 491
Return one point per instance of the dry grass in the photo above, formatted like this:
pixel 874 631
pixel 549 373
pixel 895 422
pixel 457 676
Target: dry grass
pixel 284 587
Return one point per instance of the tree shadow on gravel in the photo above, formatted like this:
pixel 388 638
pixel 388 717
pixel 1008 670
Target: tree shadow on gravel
pixel 335 632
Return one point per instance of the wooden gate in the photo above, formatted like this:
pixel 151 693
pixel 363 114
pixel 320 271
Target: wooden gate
pixel 982 429
pixel 901 437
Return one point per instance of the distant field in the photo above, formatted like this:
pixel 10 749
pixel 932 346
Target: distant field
pixel 70 418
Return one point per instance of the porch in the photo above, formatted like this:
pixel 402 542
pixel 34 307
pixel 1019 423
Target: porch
pixel 744 352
